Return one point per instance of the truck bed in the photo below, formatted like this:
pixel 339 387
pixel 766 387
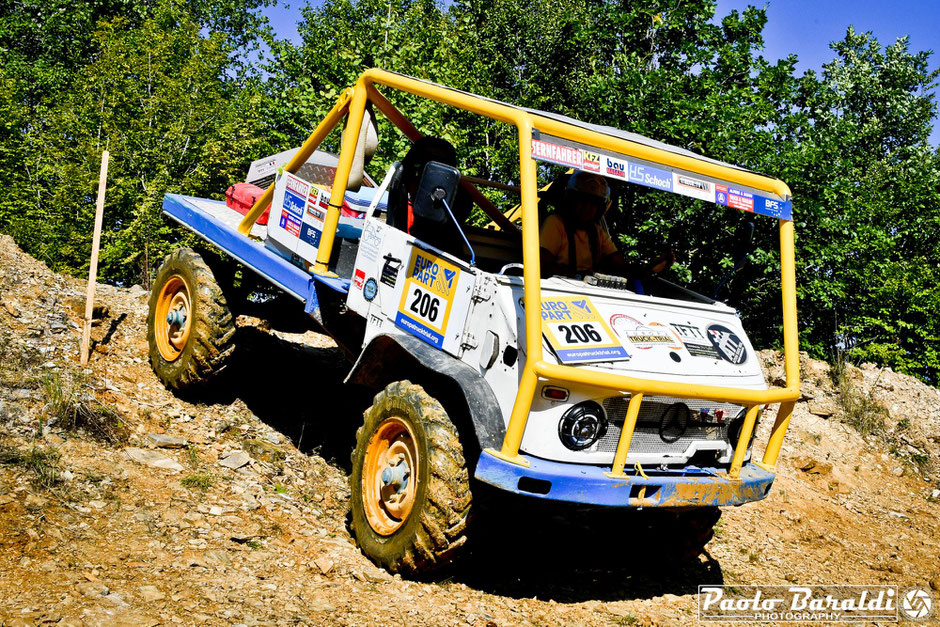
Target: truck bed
pixel 216 223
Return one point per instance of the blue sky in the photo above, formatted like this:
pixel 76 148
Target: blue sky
pixel 801 27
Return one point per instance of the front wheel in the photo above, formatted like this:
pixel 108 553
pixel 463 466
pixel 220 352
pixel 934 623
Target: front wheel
pixel 410 491
pixel 190 330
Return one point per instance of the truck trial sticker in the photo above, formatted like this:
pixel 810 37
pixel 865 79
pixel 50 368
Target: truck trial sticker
pixel 577 332
pixel 643 336
pixel 427 297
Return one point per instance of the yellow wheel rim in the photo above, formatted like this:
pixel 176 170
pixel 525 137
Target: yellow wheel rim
pixel 389 476
pixel 173 317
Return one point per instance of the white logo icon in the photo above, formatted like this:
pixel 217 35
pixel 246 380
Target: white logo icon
pixel 916 603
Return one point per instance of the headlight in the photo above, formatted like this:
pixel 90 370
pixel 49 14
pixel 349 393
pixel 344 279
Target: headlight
pixel 582 425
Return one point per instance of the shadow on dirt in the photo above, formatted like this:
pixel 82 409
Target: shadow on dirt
pixel 297 390
pixel 553 551
pixel 520 547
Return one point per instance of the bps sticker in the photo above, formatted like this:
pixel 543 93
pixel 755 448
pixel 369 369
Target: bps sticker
pixel 427 297
pixel 577 333
pixel 728 345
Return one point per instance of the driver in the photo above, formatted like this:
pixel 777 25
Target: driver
pixel 573 242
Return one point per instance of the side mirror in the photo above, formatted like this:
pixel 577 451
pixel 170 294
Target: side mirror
pixel 438 185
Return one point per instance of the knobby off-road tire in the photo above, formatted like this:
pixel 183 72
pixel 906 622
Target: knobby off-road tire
pixel 423 530
pixel 193 348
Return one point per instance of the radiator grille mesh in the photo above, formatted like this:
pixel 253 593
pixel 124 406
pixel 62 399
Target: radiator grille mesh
pixel 646 437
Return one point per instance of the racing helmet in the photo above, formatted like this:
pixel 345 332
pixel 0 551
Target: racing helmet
pixel 588 187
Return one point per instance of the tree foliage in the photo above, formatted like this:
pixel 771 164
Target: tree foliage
pixel 160 83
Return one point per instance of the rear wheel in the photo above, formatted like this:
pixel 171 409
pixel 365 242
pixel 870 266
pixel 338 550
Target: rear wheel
pixel 410 491
pixel 190 330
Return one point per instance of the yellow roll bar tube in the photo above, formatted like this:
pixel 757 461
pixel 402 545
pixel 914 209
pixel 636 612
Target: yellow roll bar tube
pixel 308 148
pixel 535 368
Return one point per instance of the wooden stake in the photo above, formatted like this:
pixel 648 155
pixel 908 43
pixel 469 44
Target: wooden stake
pixel 93 266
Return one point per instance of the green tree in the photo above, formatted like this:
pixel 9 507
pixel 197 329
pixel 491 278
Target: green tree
pixel 157 96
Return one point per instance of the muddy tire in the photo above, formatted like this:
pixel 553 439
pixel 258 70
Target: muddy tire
pixel 410 491
pixel 190 330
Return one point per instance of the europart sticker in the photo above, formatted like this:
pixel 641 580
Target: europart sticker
pixel 427 297
pixel 577 332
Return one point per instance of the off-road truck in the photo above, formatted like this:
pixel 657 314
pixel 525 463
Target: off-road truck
pixel 595 390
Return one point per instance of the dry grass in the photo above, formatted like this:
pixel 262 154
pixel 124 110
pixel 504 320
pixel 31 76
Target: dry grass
pixel 66 407
pixel 42 461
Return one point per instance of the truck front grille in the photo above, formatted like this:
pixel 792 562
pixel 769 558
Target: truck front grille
pixel 647 439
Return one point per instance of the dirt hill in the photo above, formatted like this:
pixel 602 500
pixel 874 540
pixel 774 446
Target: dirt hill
pixel 123 504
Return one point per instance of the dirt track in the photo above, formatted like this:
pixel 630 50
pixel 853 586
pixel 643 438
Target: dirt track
pixel 115 541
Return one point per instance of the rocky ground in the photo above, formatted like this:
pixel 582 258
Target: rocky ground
pixel 121 503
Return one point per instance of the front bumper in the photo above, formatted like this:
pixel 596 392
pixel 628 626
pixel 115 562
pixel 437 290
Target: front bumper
pixel 581 483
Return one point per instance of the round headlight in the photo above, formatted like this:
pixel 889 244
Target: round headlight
pixel 582 425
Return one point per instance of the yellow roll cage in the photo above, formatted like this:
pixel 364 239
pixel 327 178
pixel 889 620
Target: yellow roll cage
pixel 353 102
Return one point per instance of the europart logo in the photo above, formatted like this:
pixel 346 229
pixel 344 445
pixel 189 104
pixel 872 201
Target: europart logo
pixel 814 604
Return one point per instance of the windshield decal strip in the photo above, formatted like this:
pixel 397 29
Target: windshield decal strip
pixel 662 178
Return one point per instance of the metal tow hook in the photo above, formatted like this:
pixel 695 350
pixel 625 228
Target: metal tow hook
pixel 176 317
pixel 396 473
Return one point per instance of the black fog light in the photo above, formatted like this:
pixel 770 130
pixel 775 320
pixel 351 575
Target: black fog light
pixel 582 425
pixel 734 429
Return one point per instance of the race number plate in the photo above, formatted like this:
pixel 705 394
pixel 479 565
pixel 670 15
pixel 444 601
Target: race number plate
pixel 427 297
pixel 577 333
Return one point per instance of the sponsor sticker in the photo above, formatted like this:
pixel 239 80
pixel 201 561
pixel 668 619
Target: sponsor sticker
pixel 370 289
pixel 649 176
pixel 695 341
pixel 590 161
pixel 294 203
pixel 390 270
pixel 297 186
pixel 577 332
pixel 728 345
pixel 370 240
pixel 359 279
pixel 290 224
pixel 734 198
pixel 427 297
pixel 643 336
pixel 562 155
pixel 693 187
pixel 311 233
pixel 616 168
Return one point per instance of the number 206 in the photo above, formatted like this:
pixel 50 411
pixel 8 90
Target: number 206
pixel 580 333
pixel 425 305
